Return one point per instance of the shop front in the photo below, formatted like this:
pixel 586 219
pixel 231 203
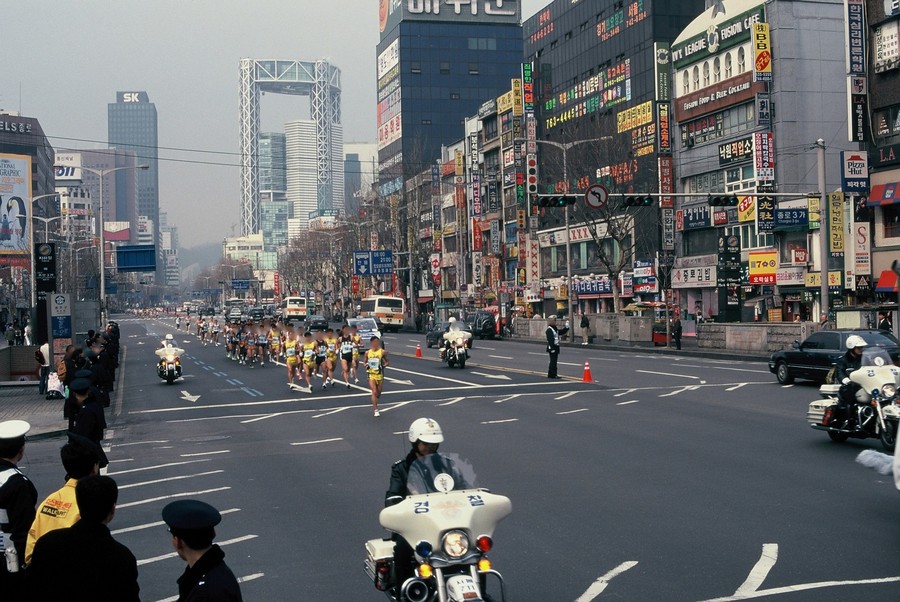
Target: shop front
pixel 696 296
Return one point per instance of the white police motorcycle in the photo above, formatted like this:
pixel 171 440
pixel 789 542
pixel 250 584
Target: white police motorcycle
pixel 450 525
pixel 877 413
pixel 169 366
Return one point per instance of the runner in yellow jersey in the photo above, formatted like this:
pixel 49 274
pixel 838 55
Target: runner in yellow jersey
pixel 274 339
pixel 376 360
pixel 309 358
pixel 331 357
pixel 357 346
pixel 292 359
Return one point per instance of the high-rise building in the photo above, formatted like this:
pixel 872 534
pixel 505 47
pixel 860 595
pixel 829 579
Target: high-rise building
pixel 360 172
pixel 169 244
pixel 120 192
pixel 132 126
pixel 443 61
pixel 272 162
pixel 274 212
pixel 304 171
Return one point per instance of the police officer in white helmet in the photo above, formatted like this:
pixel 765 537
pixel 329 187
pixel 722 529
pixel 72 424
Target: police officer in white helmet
pixel 844 367
pixel 18 497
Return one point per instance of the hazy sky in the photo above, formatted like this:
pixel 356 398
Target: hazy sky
pixel 64 61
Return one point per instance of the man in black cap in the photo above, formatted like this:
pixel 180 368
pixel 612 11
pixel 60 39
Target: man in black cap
pixel 84 562
pixel 17 499
pixel 207 577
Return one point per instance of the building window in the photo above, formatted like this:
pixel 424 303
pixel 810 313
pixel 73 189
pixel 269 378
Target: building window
pixel 445 68
pixel 685 83
pixel 741 60
pixel 426 122
pixel 473 68
pixel 717 70
pixel 891 220
pixel 706 74
pixel 415 67
pixel 454 96
pixel 728 66
pixel 696 78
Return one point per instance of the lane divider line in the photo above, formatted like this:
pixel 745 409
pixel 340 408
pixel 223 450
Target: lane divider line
pixel 227 542
pixel 158 523
pixel 167 479
pixel 333 439
pixel 602 583
pixel 170 496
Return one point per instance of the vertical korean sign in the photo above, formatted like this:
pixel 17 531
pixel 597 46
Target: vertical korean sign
pixel 762 53
pixel 15 203
pixel 836 224
pixel 857 107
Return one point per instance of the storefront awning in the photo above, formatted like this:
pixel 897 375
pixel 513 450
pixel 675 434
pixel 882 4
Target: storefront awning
pixel 425 299
pixel 887 282
pixel 884 194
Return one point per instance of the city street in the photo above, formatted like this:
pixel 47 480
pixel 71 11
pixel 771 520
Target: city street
pixel 669 478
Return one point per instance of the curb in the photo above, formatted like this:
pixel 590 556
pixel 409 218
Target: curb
pixel 47 435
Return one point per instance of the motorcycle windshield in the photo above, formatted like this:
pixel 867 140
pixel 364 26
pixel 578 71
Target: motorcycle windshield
pixel 875 356
pixel 439 473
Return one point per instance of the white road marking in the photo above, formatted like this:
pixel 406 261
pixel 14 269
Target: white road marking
pixel 602 583
pixel 158 523
pixel 679 391
pixel 624 393
pixel 802 587
pixel 318 441
pixel 488 348
pixel 167 465
pixel 602 359
pixel 121 459
pixel 140 443
pixel 566 395
pixel 170 496
pixel 625 403
pixel 335 411
pixel 209 453
pixel 227 542
pixel 502 357
pixel 741 370
pixel 188 397
pixel 452 401
pixel 534 353
pixel 760 570
pixel 408 383
pixel 786 386
pixel 494 376
pixel 252 577
pixel 736 387
pixel 397 405
pixel 431 376
pixel 668 374
pixel 508 398
pixel 167 479
pixel 571 412
pixel 568 364
pixel 500 421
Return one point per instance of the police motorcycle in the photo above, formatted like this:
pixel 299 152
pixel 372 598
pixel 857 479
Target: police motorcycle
pixel 169 366
pixel 450 525
pixel 877 412
pixel 454 350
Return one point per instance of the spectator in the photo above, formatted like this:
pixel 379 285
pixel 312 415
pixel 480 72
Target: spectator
pixel 676 331
pixel 87 417
pixel 84 559
pixel 10 335
pixel 885 322
pixel 27 333
pixel 42 356
pixel 17 499
pixel 60 509
pixel 585 328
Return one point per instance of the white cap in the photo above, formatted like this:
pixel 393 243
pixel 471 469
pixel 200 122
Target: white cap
pixel 14 429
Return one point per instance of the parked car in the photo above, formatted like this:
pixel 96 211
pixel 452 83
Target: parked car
pixel 484 324
pixel 814 357
pixel 315 322
pixel 366 328
pixel 434 336
pixel 234 316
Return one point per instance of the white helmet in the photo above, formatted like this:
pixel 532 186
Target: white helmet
pixel 854 341
pixel 425 430
pixel 452 320
pixel 169 337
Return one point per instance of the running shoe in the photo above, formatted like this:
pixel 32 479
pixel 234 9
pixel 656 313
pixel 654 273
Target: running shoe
pixel 377 413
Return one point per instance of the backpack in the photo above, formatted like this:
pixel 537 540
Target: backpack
pixel 39 357
pixel 61 370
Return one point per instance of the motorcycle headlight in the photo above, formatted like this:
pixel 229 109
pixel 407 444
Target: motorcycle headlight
pixel 460 342
pixel 170 358
pixel 455 544
pixel 889 390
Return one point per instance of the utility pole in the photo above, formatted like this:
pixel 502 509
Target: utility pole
pixel 823 228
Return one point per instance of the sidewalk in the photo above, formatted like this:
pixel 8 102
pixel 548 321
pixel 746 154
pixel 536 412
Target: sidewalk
pixel 22 402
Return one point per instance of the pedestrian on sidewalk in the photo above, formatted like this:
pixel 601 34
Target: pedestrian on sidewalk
pixel 585 328
pixel 676 331
pixel 192 525
pixel 10 335
pixel 553 335
pixel 42 356
pixel 83 561
pixel 17 499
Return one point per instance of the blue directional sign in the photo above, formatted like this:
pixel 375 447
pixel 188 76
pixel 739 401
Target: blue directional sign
pixel 382 262
pixel 240 285
pixel 362 263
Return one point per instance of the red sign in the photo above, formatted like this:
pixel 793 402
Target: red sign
pixel 277 287
pixel 715 98
pixel 720 218
pixel 436 278
pixel 354 284
pixel 679 220
pixel 476 235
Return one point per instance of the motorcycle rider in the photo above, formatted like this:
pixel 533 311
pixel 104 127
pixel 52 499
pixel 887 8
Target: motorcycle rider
pixel 453 332
pixel 169 341
pixel 425 435
pixel 846 365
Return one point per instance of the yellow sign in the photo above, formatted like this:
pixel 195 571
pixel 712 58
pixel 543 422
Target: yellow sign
pixel 814 279
pixel 763 266
pixel 518 98
pixel 762 53
pixel 634 117
pixel 505 103
pixel 836 223
pixel 814 202
pixel 460 165
pixel 746 209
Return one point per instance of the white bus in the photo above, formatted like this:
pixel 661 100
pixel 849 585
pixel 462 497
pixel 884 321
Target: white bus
pixel 293 309
pixel 387 311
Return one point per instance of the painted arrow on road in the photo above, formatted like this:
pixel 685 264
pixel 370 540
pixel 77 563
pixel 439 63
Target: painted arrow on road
pixel 494 376
pixel 188 397
pixel 398 381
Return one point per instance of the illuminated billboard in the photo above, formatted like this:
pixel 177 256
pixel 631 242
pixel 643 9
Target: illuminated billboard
pixel 15 201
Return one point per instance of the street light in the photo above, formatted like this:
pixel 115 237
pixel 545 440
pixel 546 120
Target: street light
pixel 102 173
pixel 31 229
pixel 564 147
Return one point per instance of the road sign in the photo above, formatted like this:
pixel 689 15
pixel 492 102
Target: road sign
pixel 240 285
pixel 596 196
pixel 362 262
pixel 382 262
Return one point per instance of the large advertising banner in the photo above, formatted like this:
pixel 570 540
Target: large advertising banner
pixel 15 204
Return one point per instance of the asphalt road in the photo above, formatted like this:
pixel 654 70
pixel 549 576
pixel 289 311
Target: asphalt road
pixel 669 478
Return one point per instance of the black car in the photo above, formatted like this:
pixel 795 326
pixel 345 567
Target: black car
pixel 484 325
pixel 314 323
pixel 257 314
pixel 814 357
pixel 434 336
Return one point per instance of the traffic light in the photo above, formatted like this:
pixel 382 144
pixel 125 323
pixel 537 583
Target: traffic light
pixel 640 200
pixel 557 200
pixel 531 174
pixel 723 200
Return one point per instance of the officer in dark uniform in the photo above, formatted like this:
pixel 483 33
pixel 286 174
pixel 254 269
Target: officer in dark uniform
pixel 87 418
pixel 207 577
pixel 846 365
pixel 18 498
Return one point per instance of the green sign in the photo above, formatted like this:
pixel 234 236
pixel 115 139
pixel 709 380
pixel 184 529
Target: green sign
pixel 718 37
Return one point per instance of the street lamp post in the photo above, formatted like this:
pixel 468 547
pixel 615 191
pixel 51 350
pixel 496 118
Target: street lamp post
pixel 102 173
pixel 564 147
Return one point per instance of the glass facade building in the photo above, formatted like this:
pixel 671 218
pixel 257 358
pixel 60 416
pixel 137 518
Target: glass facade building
pixel 132 126
pixel 272 162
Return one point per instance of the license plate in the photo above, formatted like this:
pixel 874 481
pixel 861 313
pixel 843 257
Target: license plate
pixel 462 589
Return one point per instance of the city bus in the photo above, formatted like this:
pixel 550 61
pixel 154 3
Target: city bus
pixel 387 311
pixel 293 309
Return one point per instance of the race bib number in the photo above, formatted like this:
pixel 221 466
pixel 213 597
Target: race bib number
pixel 331 348
pixel 347 348
pixel 308 353
pixel 374 363
pixel 291 352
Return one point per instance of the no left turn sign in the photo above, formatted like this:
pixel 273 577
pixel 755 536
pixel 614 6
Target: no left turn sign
pixel 596 196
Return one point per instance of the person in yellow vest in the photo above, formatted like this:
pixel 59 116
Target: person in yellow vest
pixel 376 361
pixel 60 509
pixel 292 358
pixel 331 357
pixel 309 348
pixel 274 339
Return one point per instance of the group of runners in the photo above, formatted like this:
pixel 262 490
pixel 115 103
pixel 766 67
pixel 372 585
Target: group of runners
pixel 306 355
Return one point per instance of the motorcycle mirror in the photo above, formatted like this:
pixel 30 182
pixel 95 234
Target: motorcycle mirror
pixel 796 344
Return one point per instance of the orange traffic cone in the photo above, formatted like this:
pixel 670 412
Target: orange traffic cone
pixel 587 378
pixel 418 350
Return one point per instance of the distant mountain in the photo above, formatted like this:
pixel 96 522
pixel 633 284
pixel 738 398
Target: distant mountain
pixel 195 259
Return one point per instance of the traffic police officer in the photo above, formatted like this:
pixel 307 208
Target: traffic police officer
pixel 18 497
pixel 207 577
